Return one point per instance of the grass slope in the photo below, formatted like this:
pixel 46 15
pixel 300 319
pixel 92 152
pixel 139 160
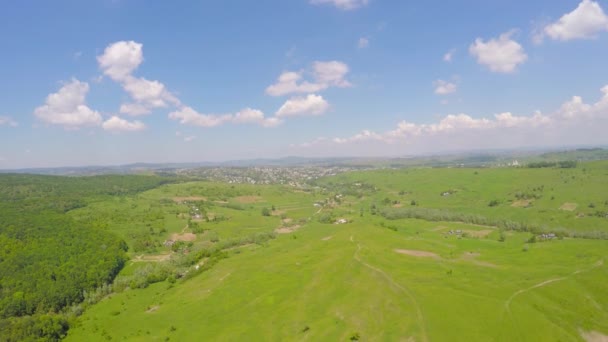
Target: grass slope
pixel 375 279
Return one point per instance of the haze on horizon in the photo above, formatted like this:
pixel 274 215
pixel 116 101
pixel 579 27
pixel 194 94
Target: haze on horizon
pixel 115 82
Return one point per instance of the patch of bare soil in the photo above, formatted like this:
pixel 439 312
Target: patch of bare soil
pixel 327 238
pixel 248 199
pixel 287 230
pixel 189 199
pixel 397 205
pixel 568 206
pixel 521 203
pixel 152 309
pixel 594 336
pixel 286 220
pixel 478 233
pixel 472 258
pixel 183 237
pixel 420 254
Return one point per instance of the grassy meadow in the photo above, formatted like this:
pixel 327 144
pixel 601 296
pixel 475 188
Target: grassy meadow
pixel 375 278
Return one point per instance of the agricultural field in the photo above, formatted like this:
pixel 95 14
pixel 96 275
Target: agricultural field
pixel 389 255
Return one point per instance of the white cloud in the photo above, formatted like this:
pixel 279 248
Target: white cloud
pixel 67 107
pixel 248 115
pixel 189 138
pixel 325 75
pixel 363 43
pixel 152 94
pixel 447 57
pixel 297 106
pixel 444 87
pixel 116 124
pixel 331 73
pixel 574 122
pixel 6 120
pixel 134 109
pixel 271 122
pixel 120 59
pixel 189 116
pixel 584 22
pixel 342 4
pixel 289 82
pixel 501 54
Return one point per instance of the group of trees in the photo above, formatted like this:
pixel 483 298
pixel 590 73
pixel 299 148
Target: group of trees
pixel 564 164
pixel 48 260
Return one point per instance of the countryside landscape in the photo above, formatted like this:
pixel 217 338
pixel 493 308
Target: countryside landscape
pixel 417 253
pixel 304 170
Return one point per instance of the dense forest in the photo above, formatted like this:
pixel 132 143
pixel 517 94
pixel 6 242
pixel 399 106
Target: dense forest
pixel 47 260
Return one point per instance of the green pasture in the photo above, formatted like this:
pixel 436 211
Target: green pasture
pixel 372 279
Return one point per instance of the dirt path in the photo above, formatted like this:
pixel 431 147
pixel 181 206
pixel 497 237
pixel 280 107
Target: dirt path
pixel 549 281
pixel 403 289
pixel 508 302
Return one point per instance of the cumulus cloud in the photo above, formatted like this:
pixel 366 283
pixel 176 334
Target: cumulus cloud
pixel 118 62
pixel 584 22
pixel 134 109
pixel 151 94
pixel 8 121
pixel 574 122
pixel 444 87
pixel 120 59
pixel 325 75
pixel 501 54
pixel 188 116
pixel 116 124
pixel 342 4
pixel 67 107
pixel 363 43
pixel 298 106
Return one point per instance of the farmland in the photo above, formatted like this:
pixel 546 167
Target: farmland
pixel 376 277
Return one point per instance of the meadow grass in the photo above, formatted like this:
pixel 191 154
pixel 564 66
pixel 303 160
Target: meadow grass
pixel 377 279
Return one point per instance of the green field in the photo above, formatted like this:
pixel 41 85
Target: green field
pixel 376 278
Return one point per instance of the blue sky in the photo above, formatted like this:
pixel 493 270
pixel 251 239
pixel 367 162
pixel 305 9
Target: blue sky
pixel 121 81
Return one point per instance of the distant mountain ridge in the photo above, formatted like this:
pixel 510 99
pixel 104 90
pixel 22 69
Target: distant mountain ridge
pixel 477 158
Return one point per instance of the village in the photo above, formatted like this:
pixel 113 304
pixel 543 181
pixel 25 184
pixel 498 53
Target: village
pixel 293 176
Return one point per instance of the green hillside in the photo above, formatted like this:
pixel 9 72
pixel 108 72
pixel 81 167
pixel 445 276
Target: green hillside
pixel 377 277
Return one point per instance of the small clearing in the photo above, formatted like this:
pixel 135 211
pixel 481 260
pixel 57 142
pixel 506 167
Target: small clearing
pixel 183 237
pixel 152 258
pixel 478 233
pixel 521 203
pixel 419 254
pixel 327 238
pixel 594 336
pixel 397 205
pixel 568 206
pixel 286 220
pixel 248 199
pixel 189 199
pixel 287 230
